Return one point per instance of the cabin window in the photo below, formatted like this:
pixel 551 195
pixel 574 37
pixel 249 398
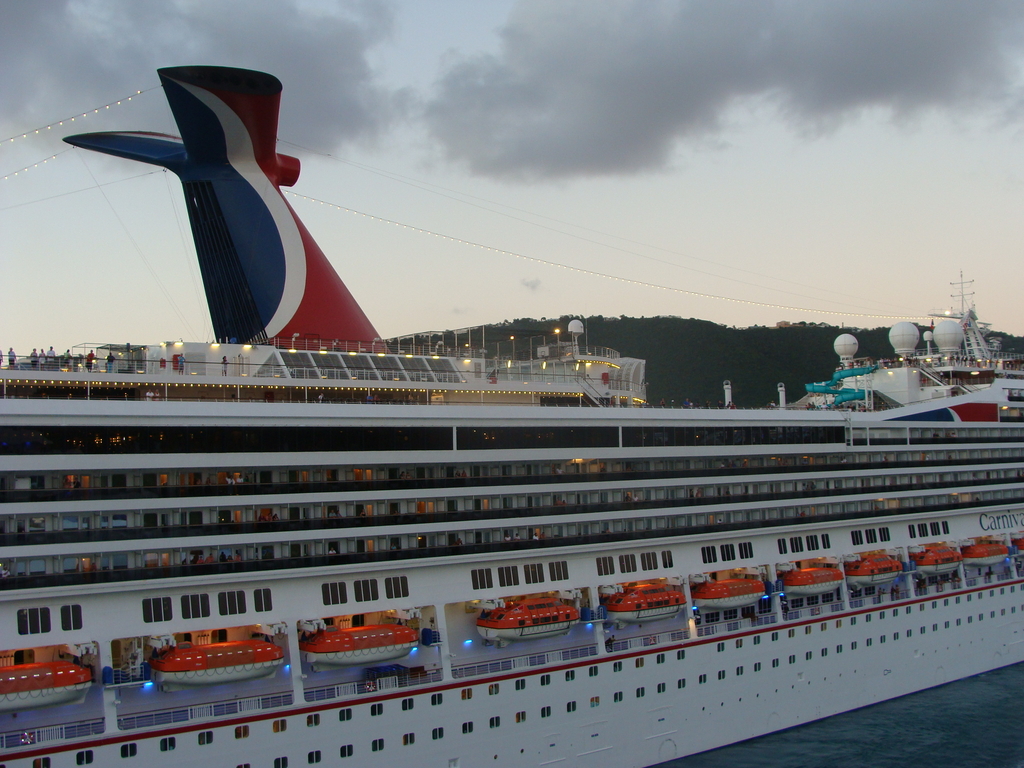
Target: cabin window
pixel 346 714
pixel 467 693
pixel 84 757
pixel 346 751
pixel 195 606
pixel 728 551
pixel 533 573
pixel 558 570
pixel 33 621
pixel 746 549
pixel 627 563
pixel 467 727
pixel 545 679
pixel 521 717
pixel 508 576
pixel 570 706
pixel 129 750
pixel 313 720
pixel 408 704
pixel 41 762
pixel 334 593
pixel 680 655
pixel 495 722
pixel 812 542
pixel 70 617
pixel 605 566
pixel 482 578
pixel 796 544
pixel 281 762
pixel 231 603
pixel 648 560
pixel 396 586
pixel 366 590
pixel 708 554
pixel 783 549
pixel 437 733
pixel 436 698
pixel 666 559
pixel 826 541
pixel 641 692
pixel 376 710
pixel 280 726
pixel 242 732
pixel 313 757
pixel 493 689
pixel 858 538
pixel 570 675
pixel 262 601
pixel 205 737
pixel 408 739
pixel 521 684
pixel 168 744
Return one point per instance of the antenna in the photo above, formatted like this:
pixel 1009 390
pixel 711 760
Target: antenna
pixel 963 294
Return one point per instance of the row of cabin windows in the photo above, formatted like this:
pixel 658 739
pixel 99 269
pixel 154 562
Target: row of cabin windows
pixel 933 528
pixel 627 562
pixel 77 521
pixel 813 541
pixel 874 535
pixel 508 575
pixel 34 621
pixel 197 606
pixel 708 554
pixel 121 560
pixel 364 590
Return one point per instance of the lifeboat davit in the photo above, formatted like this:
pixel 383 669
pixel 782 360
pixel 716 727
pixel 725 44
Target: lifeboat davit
pixel 645 602
pixel 185 665
pixel 983 555
pixel 29 686
pixel 872 570
pixel 727 593
pixel 353 646
pixel 935 559
pixel 811 581
pixel 529 619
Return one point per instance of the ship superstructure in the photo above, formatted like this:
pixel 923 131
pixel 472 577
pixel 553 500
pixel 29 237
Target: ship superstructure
pixel 361 552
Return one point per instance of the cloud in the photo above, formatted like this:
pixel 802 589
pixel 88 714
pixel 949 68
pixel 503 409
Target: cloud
pixel 63 55
pixel 533 284
pixel 581 88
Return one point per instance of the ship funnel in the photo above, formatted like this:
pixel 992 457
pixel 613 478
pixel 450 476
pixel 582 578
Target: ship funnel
pixel 264 275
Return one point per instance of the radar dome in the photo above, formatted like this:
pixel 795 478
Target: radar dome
pixel 575 327
pixel 927 335
pixel 949 336
pixel 903 336
pixel 846 345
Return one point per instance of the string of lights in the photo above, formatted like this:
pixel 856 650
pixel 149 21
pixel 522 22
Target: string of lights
pixel 73 118
pixel 602 275
pixel 27 168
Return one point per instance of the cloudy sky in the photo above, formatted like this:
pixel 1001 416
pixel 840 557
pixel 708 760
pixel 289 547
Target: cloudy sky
pixel 741 162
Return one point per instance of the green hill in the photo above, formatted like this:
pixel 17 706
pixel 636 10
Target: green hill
pixel 689 358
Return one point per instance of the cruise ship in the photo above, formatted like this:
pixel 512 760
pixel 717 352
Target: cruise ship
pixel 303 544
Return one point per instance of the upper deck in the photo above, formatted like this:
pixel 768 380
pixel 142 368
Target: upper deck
pixel 338 372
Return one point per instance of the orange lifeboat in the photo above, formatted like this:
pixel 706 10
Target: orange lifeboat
pixel 872 570
pixel 727 593
pixel 351 646
pixel 935 558
pixel 529 619
pixel 983 555
pixel 645 602
pixel 185 665
pixel 29 686
pixel 811 581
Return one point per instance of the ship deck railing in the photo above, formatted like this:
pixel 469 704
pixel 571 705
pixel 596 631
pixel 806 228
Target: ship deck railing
pixel 410 679
pixel 525 661
pixel 48 734
pixel 647 641
pixel 214 709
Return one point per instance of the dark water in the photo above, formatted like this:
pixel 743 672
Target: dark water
pixel 974 723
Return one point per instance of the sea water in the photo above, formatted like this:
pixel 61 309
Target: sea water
pixel 973 723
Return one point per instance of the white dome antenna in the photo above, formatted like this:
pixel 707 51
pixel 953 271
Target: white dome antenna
pixel 576 329
pixel 846 346
pixel 904 337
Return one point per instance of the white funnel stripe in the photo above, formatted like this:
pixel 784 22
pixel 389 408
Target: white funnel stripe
pixel 242 158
